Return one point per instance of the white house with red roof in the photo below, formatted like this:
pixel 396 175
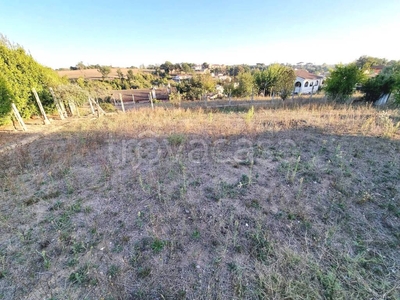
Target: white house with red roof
pixel 306 82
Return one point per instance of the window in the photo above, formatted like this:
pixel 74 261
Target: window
pixel 298 84
pixel 311 83
pixel 316 83
pixel 306 84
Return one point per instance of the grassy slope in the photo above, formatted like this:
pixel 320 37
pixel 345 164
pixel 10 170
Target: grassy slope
pixel 288 203
pixel 93 73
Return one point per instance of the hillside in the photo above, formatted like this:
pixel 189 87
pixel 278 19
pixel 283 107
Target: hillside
pixel 94 74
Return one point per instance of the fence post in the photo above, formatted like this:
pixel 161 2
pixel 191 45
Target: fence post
pixel 122 102
pixel 100 111
pixel 151 101
pixel 133 98
pixel 57 103
pixel 72 108
pixel 18 116
pixel 91 105
pixel 45 119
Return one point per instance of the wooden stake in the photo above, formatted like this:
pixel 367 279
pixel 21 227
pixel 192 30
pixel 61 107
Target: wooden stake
pixel 63 108
pixel 18 116
pixel 151 101
pixel 45 119
pixel 71 107
pixel 91 105
pixel 100 111
pixel 122 102
pixel 133 98
pixel 57 103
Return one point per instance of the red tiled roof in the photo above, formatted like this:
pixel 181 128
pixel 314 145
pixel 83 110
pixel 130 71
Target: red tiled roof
pixel 305 74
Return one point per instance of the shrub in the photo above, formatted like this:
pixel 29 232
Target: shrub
pixel 378 86
pixel 6 99
pixel 21 73
pixel 340 85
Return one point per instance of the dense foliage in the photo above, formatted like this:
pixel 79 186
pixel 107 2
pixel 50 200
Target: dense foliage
pixel 20 73
pixel 276 78
pixel 386 83
pixel 6 98
pixel 196 87
pixel 376 87
pixel 245 87
pixel 340 85
pixel 104 71
pixel 71 92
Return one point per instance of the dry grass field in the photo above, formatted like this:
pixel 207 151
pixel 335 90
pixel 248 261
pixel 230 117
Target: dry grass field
pixel 93 73
pixel 282 202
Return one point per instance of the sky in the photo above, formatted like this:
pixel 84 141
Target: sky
pixel 124 33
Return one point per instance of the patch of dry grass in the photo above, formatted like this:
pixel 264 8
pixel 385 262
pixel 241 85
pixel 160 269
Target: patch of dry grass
pixel 288 202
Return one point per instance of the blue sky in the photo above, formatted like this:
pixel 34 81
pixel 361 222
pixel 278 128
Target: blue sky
pixel 125 33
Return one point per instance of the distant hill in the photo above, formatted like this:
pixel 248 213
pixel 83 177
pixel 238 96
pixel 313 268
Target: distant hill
pixel 94 74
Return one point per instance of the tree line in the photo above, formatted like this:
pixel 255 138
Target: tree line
pixel 19 73
pixel 345 79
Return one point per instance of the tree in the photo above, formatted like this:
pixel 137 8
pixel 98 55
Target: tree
pixel 340 85
pixel 275 79
pixel 376 87
pixel 235 70
pixel 120 75
pixel 186 68
pixel 177 67
pixel 246 84
pixel 130 75
pixel 197 86
pixel 366 62
pixel 205 66
pixel 286 80
pixel 104 71
pixel 387 82
pixel 80 66
pixel 167 67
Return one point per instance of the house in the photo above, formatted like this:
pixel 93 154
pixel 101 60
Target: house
pixel 179 78
pixel 306 82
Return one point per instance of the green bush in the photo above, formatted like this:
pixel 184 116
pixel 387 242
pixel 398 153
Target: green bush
pixel 340 85
pixel 378 86
pixel 21 73
pixel 195 87
pixel 71 92
pixel 6 99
